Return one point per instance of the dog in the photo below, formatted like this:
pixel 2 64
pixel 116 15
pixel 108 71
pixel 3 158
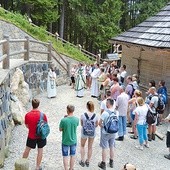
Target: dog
pixel 128 166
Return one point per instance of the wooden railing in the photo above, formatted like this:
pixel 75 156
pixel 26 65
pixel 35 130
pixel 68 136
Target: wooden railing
pixel 5 58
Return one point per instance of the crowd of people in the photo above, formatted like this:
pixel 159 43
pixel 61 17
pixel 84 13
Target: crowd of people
pixel 120 98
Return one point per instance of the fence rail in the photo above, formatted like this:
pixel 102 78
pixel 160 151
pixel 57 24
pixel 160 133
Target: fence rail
pixel 5 58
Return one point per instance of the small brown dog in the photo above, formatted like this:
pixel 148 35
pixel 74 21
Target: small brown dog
pixel 128 166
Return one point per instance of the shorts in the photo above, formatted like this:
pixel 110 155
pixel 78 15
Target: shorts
pixel 33 142
pixel 107 140
pixel 66 148
pixel 168 139
pixel 72 79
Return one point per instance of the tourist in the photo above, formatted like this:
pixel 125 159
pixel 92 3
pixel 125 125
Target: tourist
pixel 135 81
pixel 89 122
pixel 153 104
pixel 31 120
pixel 73 72
pixel 68 127
pixel 162 91
pixel 94 87
pixel 167 119
pixel 140 122
pixel 122 107
pixel 103 106
pixel 80 81
pixel 132 107
pixel 115 89
pixel 51 83
pixel 107 140
pixel 123 74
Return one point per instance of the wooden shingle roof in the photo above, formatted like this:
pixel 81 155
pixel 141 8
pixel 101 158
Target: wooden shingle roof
pixel 153 32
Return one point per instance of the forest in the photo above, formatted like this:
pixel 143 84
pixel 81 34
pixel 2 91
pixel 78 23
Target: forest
pixel 90 23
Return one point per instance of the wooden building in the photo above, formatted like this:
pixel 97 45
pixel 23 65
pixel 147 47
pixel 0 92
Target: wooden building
pixel 146 49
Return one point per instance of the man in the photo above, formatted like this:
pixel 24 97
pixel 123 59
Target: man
pixel 153 104
pixel 115 89
pixel 129 90
pixel 122 107
pixel 107 140
pixel 31 120
pixel 103 106
pixel 68 126
pixel 95 87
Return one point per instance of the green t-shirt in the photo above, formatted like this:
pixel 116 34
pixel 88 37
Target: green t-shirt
pixel 69 127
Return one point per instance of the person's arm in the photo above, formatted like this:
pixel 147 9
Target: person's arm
pixel 97 122
pixel 100 122
pixel 131 100
pixel 136 118
pixel 61 126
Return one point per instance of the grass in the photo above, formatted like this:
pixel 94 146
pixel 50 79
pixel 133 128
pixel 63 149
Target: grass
pixel 40 34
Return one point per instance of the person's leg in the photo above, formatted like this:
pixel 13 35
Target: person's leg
pixel 120 132
pixel 72 156
pixel 65 156
pixel 89 153
pixel 149 132
pixel 145 137
pixel 26 152
pixel 140 134
pixel 124 120
pixel 82 149
pixel 103 154
pixel 65 162
pixel 39 158
pixel 30 144
pixel 153 131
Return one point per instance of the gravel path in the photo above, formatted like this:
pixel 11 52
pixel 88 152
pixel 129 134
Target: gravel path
pixel 148 159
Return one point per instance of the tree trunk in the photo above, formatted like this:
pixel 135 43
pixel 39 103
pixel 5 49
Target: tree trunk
pixel 62 19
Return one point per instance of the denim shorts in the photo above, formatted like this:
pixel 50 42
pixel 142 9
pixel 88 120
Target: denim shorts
pixel 69 148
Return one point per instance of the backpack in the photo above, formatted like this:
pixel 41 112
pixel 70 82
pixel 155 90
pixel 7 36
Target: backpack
pixel 133 90
pixel 150 117
pixel 161 104
pixel 43 128
pixel 89 127
pixel 112 123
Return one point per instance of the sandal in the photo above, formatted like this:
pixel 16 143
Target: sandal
pixel 133 137
pixel 87 163
pixel 81 163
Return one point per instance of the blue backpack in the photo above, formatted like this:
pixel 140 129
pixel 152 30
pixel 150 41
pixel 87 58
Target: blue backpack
pixel 89 127
pixel 112 123
pixel 43 128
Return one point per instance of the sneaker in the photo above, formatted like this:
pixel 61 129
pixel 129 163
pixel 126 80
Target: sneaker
pixel 111 163
pixel 102 165
pixel 120 138
pixel 81 163
pixel 87 163
pixel 167 156
pixel 139 147
pixel 146 145
pixel 133 137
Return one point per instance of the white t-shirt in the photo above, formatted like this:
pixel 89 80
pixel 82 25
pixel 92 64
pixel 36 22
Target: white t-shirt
pixel 141 112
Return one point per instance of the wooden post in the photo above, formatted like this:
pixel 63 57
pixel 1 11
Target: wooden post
pixel 68 69
pixel 5 49
pixel 27 47
pixel 49 50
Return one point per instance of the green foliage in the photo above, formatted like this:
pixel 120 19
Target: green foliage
pixel 40 34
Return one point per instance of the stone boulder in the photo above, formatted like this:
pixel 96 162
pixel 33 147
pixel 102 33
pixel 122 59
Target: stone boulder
pixel 19 87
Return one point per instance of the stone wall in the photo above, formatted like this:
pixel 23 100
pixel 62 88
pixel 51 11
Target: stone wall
pixel 35 74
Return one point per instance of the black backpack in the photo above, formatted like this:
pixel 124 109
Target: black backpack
pixel 133 90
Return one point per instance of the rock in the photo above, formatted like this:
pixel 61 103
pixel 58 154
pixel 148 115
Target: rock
pixel 22 164
pixel 19 87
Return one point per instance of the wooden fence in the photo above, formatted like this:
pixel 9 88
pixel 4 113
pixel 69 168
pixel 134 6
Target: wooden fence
pixel 5 58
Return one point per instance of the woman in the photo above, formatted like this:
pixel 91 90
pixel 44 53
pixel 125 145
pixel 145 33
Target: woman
pixel 51 84
pixel 140 122
pixel 132 107
pixel 87 133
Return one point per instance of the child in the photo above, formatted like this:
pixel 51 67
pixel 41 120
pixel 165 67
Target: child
pixel 167 119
